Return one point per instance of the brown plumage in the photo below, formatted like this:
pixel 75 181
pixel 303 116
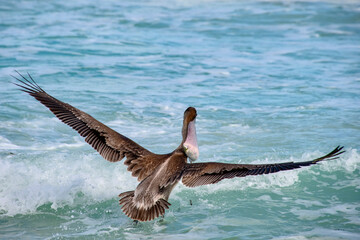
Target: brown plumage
pixel 158 173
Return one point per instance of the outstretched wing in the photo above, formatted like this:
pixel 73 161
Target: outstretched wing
pixel 197 174
pixel 111 145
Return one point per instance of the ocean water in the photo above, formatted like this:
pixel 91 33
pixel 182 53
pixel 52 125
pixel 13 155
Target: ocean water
pixel 273 81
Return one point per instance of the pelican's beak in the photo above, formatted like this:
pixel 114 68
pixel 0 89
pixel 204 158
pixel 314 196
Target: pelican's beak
pixel 190 145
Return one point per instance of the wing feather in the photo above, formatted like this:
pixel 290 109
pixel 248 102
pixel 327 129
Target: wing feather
pixel 197 174
pixel 111 145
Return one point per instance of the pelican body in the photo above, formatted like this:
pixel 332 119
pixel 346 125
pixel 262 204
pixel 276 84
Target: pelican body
pixel 158 174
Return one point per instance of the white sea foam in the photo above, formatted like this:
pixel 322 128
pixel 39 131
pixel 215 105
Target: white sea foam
pixel 304 214
pixel 29 181
pixel 306 237
pixel 57 179
pixel 6 144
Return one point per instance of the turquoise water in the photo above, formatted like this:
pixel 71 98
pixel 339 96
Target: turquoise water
pixel 273 81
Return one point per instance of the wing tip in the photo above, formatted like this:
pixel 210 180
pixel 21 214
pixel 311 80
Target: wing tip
pixel 334 154
pixel 25 84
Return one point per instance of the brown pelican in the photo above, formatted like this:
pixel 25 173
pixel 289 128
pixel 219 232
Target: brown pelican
pixel 157 173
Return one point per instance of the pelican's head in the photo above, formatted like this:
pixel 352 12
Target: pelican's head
pixel 190 145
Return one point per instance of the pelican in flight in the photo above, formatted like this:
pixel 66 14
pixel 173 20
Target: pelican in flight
pixel 158 174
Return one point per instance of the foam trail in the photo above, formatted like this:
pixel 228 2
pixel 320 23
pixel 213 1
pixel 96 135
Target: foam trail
pixel 57 179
